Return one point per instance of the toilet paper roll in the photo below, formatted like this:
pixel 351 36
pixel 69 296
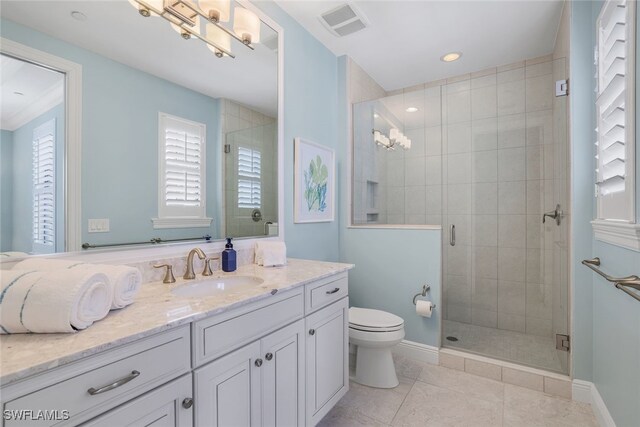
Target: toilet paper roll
pixel 424 308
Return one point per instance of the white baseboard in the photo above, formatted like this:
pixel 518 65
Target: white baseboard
pixel 587 392
pixel 416 351
pixel 581 391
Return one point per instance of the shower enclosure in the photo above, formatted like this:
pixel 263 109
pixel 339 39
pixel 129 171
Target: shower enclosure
pixel 488 158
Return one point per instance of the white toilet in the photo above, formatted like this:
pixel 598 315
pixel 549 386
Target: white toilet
pixel 374 333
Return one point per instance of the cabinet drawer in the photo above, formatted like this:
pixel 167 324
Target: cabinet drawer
pixel 326 291
pixel 104 381
pixel 219 335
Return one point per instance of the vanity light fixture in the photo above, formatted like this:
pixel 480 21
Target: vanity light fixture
pixel 395 138
pixel 451 56
pixel 185 17
pixel 411 109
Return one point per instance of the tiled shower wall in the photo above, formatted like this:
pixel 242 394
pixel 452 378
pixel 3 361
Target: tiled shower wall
pixel 498 156
pixel 487 158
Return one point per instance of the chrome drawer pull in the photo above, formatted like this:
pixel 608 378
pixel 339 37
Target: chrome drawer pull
pixel 333 291
pixel 122 381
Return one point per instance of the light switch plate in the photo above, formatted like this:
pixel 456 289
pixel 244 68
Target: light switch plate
pixel 100 225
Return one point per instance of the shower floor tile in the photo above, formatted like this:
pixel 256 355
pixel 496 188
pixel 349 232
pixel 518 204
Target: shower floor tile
pixel 530 350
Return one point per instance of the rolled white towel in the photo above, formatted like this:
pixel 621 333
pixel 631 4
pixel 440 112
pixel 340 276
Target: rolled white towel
pixel 52 301
pixel 125 280
pixel 271 253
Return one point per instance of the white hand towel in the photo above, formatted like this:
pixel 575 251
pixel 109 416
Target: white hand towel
pixel 52 301
pixel 271 253
pixel 125 280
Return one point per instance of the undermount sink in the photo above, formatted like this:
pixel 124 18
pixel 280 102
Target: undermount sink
pixel 218 285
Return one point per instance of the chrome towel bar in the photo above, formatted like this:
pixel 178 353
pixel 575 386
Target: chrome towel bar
pixel 621 283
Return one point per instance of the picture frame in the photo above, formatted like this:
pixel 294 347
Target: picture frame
pixel 314 182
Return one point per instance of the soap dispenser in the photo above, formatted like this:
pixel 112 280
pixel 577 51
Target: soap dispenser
pixel 228 257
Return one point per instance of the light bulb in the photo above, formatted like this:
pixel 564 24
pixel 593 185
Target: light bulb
pixel 183 30
pixel 246 25
pixel 218 37
pixel 216 10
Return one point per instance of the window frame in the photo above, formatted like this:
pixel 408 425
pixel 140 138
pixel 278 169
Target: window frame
pixel 623 231
pixel 251 179
pixel 180 216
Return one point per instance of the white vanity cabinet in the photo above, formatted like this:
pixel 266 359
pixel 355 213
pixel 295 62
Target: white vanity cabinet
pixel 260 384
pixel 165 406
pixel 279 361
pixel 96 384
pixel 327 345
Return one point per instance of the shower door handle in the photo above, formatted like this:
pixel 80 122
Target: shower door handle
pixel 452 235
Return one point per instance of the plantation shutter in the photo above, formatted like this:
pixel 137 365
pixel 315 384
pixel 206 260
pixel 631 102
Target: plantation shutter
pixel 614 105
pixel 44 184
pixel 183 169
pixel 249 181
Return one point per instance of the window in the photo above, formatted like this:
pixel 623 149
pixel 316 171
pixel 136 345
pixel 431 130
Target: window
pixel 44 187
pixel 615 111
pixel 249 184
pixel 181 195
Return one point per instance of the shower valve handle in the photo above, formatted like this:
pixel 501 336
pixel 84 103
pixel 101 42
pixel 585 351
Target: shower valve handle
pixel 556 214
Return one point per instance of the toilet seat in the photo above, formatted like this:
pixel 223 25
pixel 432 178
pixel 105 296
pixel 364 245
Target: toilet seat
pixel 368 320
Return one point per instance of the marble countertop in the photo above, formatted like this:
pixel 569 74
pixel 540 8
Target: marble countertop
pixel 156 309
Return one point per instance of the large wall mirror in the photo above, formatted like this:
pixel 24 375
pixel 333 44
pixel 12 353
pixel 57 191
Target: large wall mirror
pixel 178 102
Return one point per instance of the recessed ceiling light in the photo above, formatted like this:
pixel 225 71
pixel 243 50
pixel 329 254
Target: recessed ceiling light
pixel 376 115
pixel 18 93
pixel 78 16
pixel 411 109
pixel 450 57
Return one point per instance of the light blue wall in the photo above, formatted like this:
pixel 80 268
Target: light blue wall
pixel 6 189
pixel 391 265
pixel 120 140
pixel 22 199
pixel 582 182
pixel 310 102
pixel 606 320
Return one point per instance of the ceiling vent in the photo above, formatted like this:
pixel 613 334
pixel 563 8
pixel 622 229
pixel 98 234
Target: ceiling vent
pixel 343 20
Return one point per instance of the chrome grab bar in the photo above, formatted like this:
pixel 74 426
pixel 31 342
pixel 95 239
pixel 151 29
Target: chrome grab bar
pixel 452 235
pixel 621 283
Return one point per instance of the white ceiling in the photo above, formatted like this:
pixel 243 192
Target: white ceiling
pixel 404 41
pixel 115 29
pixel 26 91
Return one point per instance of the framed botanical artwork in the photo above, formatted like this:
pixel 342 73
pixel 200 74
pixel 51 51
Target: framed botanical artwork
pixel 314 182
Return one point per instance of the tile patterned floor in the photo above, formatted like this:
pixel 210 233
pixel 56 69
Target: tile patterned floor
pixel 430 395
pixel 531 350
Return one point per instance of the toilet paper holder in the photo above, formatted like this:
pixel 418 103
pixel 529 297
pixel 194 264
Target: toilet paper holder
pixel 425 289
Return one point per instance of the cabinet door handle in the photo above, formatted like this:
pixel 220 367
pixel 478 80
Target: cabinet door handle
pixel 117 383
pixel 312 331
pixel 268 356
pixel 333 291
pixel 258 362
pixel 187 403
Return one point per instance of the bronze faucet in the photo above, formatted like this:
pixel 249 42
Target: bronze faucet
pixel 189 274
